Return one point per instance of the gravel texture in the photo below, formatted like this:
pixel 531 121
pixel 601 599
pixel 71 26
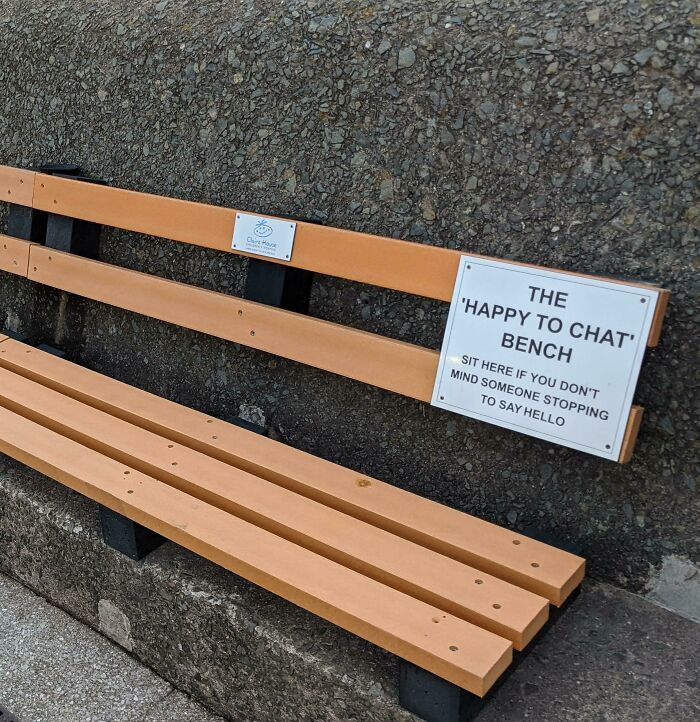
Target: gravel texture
pixel 556 133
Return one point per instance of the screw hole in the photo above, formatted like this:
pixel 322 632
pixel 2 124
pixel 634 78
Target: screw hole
pixel 214 437
pixel 240 313
pixel 516 542
pixel 210 421
pixel 496 606
pixel 131 491
pixel 453 648
pixel 174 463
pixel 127 473
pixel 252 333
pixel 436 620
pixel 170 446
pixel 534 564
pixel 478 581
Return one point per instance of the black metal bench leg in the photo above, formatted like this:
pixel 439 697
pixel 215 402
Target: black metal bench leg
pixel 433 698
pixel 436 700
pixel 126 536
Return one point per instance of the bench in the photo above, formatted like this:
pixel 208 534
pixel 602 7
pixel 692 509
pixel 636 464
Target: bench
pixel 455 597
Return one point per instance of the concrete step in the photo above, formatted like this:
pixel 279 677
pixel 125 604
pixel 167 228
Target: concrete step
pixel 250 656
pixel 53 668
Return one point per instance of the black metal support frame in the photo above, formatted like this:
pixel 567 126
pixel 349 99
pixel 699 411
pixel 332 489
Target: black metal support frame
pixel 437 700
pixel 275 284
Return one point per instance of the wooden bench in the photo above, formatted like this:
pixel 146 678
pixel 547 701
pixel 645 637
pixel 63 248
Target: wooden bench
pixel 452 595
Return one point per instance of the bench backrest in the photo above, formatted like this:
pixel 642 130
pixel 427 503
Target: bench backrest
pixel 413 268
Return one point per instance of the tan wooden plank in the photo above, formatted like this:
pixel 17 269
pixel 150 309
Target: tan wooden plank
pixel 455 650
pixel 393 365
pixel 16 185
pixel 468 593
pixel 659 315
pixel 475 542
pixel 386 262
pixel 14 255
pixel 631 433
pixel 410 267
pixel 3 338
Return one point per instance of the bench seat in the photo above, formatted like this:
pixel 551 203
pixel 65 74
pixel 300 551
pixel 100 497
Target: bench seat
pixel 446 591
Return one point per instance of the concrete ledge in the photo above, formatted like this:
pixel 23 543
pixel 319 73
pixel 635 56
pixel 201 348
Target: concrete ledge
pixel 240 650
pixel 251 656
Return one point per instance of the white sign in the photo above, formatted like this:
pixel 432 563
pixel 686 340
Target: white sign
pixel 545 353
pixel 263 236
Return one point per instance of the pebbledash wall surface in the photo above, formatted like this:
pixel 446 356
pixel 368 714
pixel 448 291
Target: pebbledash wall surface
pixel 563 134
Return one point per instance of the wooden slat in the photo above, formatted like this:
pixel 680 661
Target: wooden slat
pixel 631 433
pixel 16 185
pixel 402 266
pixel 386 262
pixel 3 338
pixel 386 363
pixel 14 255
pixel 455 650
pixel 460 536
pixel 659 315
pixel 479 598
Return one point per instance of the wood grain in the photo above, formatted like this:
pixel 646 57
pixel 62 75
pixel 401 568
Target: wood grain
pixel 413 268
pixel 14 255
pixel 16 185
pixel 467 593
pixel 465 538
pixel 453 649
pixel 393 365
pixel 631 432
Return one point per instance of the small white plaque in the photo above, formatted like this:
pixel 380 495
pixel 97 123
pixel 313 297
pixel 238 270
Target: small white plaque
pixel 545 353
pixel 263 236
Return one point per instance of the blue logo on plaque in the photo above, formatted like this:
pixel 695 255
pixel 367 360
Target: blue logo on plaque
pixel 262 228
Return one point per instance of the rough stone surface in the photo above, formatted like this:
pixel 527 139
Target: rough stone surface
pixel 538 132
pixel 52 668
pixel 612 656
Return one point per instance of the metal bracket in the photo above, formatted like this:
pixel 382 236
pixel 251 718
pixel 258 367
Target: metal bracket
pixel 46 348
pixel 437 700
pixel 275 284
pixel 247 425
pixel 16 336
pixel 126 536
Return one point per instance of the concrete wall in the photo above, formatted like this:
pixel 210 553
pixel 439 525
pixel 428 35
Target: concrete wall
pixel 556 133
